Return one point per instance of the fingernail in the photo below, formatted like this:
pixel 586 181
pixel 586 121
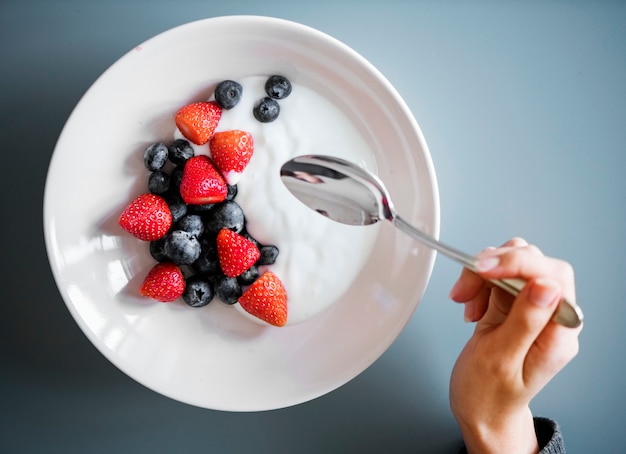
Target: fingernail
pixel 544 292
pixel 487 263
pixel 468 314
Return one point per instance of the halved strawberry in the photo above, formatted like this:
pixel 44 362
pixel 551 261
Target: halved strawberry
pixel 235 252
pixel 266 299
pixel 165 282
pixel 231 152
pixel 198 121
pixel 148 217
pixel 201 182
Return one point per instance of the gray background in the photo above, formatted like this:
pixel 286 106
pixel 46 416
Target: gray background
pixel 523 106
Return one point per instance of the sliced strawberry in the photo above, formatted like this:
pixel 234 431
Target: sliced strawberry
pixel 266 299
pixel 165 282
pixel 198 121
pixel 235 252
pixel 231 152
pixel 201 182
pixel 148 217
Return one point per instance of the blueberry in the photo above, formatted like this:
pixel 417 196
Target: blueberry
pixel 278 87
pixel 190 223
pixel 180 151
pixel 176 177
pixel 268 255
pixel 202 209
pixel 178 207
pixel 227 289
pixel 157 250
pixel 155 156
pixel 249 276
pixel 159 182
pixel 232 192
pixel 207 262
pixel 227 214
pixel 181 247
pixel 266 110
pixel 198 291
pixel 228 93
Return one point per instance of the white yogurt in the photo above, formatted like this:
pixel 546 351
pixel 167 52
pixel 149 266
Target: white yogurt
pixel 319 258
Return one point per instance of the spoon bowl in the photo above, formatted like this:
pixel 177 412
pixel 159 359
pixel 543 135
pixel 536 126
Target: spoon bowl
pixel 347 193
pixel 337 189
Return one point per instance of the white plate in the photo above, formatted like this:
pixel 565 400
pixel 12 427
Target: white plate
pixel 213 357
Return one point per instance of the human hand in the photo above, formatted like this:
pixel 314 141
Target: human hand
pixel 516 348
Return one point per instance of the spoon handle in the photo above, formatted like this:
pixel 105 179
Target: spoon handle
pixel 567 314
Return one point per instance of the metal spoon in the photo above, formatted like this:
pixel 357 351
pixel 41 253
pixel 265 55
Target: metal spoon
pixel 344 192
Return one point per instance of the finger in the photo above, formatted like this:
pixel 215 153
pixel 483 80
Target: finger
pixel 555 346
pixel 474 291
pixel 477 307
pixel 510 247
pixel 515 242
pixel 498 308
pixel 527 263
pixel 466 287
pixel 530 314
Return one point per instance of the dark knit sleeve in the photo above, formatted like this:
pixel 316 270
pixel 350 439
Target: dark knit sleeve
pixel 548 436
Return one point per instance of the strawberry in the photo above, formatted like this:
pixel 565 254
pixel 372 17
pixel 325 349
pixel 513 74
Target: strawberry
pixel 201 182
pixel 165 282
pixel 231 152
pixel 235 252
pixel 148 217
pixel 198 121
pixel 266 299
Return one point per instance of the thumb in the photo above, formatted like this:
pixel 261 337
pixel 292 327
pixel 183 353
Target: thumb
pixel 529 315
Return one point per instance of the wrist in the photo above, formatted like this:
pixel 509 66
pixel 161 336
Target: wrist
pixel 513 433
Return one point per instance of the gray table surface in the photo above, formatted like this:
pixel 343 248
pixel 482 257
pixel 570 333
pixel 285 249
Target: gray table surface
pixel 523 105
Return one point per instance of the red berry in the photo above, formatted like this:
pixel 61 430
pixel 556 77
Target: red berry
pixel 231 152
pixel 148 217
pixel 165 282
pixel 198 121
pixel 201 182
pixel 266 299
pixel 235 252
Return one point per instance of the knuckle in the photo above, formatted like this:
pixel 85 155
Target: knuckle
pixel 564 271
pixel 533 249
pixel 516 241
